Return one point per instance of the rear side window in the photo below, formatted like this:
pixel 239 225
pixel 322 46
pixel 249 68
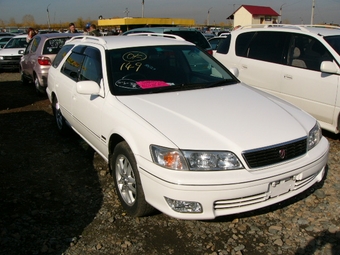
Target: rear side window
pixel 266 46
pixel 35 44
pixel 61 54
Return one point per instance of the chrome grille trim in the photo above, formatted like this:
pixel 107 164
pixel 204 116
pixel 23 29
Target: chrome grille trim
pixel 258 198
pixel 270 155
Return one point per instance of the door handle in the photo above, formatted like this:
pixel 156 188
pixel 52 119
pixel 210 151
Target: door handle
pixel 287 76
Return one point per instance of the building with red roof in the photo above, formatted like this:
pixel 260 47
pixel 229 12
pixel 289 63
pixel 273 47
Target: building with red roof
pixel 253 14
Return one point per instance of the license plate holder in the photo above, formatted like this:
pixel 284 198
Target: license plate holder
pixel 278 188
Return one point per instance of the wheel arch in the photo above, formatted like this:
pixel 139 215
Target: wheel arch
pixel 114 140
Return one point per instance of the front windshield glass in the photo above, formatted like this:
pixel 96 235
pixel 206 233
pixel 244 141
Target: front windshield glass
pixel 143 70
pixel 16 43
pixel 334 42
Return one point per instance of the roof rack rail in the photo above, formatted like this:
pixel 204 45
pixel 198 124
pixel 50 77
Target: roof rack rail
pixel 157 34
pixel 300 27
pixel 85 38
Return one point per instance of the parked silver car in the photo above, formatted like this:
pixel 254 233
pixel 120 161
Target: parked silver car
pixel 38 56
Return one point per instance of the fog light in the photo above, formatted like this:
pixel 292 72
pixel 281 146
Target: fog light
pixel 184 206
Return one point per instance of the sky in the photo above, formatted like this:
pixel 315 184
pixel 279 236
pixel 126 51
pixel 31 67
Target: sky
pixel 293 11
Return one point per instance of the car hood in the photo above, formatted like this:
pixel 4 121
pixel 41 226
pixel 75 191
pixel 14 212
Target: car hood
pixel 11 52
pixel 234 116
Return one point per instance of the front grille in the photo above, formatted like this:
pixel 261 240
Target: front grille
pixel 12 57
pixel 275 154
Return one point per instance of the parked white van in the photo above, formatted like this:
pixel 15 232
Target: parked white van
pixel 299 63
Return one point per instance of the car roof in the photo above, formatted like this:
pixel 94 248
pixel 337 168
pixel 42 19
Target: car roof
pixel 322 30
pixel 117 42
pixel 19 36
pixel 6 36
pixel 53 35
pixel 161 29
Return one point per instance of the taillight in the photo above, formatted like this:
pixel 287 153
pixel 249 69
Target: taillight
pixel 210 52
pixel 44 61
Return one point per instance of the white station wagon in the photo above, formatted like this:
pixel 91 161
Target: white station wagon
pixel 180 133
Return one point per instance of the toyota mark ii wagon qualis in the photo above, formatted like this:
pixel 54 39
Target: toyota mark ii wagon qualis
pixel 194 143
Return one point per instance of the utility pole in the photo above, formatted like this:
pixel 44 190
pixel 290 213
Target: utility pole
pixel 208 16
pixel 312 16
pixel 142 8
pixel 281 13
pixel 48 18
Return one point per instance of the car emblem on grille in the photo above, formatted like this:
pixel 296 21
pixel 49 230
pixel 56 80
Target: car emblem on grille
pixel 282 153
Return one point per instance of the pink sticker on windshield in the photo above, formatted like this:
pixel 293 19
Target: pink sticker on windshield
pixel 151 84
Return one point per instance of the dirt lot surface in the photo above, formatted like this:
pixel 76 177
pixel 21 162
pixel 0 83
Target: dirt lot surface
pixel 56 197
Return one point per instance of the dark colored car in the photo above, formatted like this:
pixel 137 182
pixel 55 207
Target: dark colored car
pixel 188 34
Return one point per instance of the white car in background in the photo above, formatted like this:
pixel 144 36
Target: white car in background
pixel 192 144
pixel 299 63
pixel 11 53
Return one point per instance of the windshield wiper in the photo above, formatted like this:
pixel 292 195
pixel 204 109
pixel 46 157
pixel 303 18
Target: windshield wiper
pixel 221 82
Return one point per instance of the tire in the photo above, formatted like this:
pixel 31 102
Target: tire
pixel 38 88
pixel 24 80
pixel 62 126
pixel 127 182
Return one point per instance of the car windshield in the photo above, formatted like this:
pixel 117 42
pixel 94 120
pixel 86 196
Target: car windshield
pixel 155 69
pixel 334 42
pixel 16 43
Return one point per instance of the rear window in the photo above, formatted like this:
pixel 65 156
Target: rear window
pixel 53 45
pixel 195 37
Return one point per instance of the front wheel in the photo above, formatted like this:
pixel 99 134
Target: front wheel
pixel 127 182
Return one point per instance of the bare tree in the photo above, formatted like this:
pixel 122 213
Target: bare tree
pixel 12 22
pixel 28 21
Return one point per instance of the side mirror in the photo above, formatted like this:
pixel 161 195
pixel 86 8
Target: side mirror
pixel 328 67
pixel 88 88
pixel 234 71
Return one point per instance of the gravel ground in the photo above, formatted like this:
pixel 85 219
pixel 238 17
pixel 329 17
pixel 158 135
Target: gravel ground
pixel 57 197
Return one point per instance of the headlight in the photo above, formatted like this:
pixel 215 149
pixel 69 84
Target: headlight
pixel 1 58
pixel 195 160
pixel 212 160
pixel 314 136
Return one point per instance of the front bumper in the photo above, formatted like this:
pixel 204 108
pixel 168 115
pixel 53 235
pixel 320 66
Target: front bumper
pixel 228 197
